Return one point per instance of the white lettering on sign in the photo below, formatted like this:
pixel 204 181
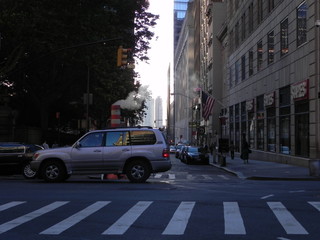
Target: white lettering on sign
pixel 268 99
pixel 249 105
pixel 299 90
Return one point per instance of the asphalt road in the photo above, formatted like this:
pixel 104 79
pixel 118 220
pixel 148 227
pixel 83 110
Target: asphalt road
pixel 188 202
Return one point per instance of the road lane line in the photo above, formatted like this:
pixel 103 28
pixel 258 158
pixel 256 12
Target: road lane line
pixel 224 177
pixel 179 221
pixel 286 219
pixel 123 223
pixel 74 219
pixel 232 219
pixel 206 177
pixel 30 216
pixel 10 205
pixel 316 205
pixel 268 196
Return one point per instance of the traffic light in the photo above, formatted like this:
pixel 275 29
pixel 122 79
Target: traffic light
pixel 122 56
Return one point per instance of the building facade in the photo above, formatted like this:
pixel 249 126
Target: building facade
pixel 273 78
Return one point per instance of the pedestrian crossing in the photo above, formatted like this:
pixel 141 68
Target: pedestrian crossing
pixel 179 220
pixel 187 176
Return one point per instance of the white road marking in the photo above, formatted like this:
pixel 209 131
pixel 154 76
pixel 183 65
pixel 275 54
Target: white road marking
pixel 158 175
pixel 123 223
pixel 206 177
pixel 286 219
pixel 10 205
pixel 30 216
pixel 179 221
pixel 232 219
pixel 172 176
pixel 316 205
pixel 74 219
pixel 268 196
pixel 224 177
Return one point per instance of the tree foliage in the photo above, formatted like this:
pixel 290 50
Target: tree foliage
pixel 52 53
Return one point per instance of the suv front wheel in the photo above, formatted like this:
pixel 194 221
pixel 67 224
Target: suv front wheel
pixel 53 171
pixel 27 172
pixel 138 171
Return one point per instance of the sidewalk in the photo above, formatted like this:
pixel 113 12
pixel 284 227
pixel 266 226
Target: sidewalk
pixel 262 170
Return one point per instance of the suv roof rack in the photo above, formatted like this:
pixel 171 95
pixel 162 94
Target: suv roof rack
pixel 130 127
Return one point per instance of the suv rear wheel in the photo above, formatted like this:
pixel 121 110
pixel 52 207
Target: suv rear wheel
pixel 53 171
pixel 138 171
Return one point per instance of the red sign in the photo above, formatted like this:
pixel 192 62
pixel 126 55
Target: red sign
pixel 300 90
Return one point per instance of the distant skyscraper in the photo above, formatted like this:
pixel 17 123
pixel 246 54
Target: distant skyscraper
pixel 158 113
pixel 180 8
pixel 149 118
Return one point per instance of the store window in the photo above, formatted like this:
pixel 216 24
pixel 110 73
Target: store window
pixel 237 127
pixel 259 55
pixel 231 122
pixel 302 24
pixel 251 122
pixel 284 43
pixel 260 122
pixel 270 47
pixel 243 118
pixel 269 104
pixel 302 128
pixel 284 120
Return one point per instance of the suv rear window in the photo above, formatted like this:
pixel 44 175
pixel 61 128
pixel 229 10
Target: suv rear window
pixel 142 137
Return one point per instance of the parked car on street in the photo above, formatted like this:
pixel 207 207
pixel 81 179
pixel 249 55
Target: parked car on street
pixel 172 149
pixel 15 158
pixel 192 154
pixel 136 152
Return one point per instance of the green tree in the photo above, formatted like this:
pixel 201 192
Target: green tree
pixel 46 55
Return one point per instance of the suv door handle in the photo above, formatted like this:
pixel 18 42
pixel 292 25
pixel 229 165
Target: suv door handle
pixel 97 150
pixel 125 150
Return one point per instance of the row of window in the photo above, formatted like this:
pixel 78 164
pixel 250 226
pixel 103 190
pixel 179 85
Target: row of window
pixel 257 119
pixel 301 35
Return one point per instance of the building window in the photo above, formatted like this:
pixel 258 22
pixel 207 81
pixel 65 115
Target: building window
pixel 260 11
pixel 243 118
pixel 271 5
pixel 250 62
pixel 231 121
pixel 271 129
pixel 260 122
pixel 270 47
pixel 251 18
pixel 243 27
pixel 302 128
pixel 284 120
pixel 230 77
pixel 301 24
pixel 259 55
pixel 243 67
pixel 236 35
pixel 284 44
pixel 237 70
pixel 237 127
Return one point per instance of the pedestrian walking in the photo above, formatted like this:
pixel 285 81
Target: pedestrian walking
pixel 245 150
pixel 231 148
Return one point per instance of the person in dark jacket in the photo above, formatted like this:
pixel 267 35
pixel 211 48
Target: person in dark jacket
pixel 245 150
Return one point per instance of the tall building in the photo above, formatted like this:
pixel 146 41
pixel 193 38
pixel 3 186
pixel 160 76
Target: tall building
pixel 149 118
pixel 180 8
pixel 158 113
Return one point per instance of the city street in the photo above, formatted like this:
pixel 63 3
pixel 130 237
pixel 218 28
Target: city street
pixel 188 202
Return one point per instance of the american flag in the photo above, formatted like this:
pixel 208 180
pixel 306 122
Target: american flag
pixel 207 105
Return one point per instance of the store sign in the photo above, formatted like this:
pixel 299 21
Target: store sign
pixel 250 105
pixel 269 99
pixel 300 90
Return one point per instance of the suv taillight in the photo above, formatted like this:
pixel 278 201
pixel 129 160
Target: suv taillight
pixel 166 153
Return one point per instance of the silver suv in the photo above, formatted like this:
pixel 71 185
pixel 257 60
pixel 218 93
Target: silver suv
pixel 136 152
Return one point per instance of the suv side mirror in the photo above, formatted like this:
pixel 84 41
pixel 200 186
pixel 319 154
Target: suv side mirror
pixel 77 145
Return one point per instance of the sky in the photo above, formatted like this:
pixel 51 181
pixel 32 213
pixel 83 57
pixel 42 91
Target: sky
pixel 155 73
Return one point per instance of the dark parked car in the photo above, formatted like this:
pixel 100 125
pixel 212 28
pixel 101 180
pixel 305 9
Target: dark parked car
pixel 15 158
pixel 191 154
pixel 178 149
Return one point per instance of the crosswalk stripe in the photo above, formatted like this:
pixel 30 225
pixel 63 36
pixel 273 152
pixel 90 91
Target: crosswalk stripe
pixel 172 176
pixel 122 225
pixel 232 219
pixel 74 219
pixel 286 219
pixel 30 216
pixel 179 221
pixel 206 177
pixel 316 205
pixel 10 205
